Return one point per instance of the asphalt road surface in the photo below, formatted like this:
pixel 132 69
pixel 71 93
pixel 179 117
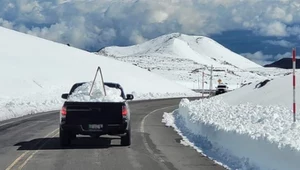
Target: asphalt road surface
pixel 32 143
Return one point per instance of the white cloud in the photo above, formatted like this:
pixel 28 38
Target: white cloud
pixel 278 13
pixel 295 30
pixel 96 23
pixel 6 24
pixel 159 16
pixel 282 43
pixel 263 59
pixel 274 29
pixel 137 38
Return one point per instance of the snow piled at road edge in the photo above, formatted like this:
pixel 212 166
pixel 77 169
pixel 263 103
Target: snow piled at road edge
pixel 50 101
pixel 202 126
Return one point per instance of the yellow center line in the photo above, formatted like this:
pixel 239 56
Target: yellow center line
pixel 32 154
pixel 16 161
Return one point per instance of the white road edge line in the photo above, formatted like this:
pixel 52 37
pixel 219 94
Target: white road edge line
pixel 142 129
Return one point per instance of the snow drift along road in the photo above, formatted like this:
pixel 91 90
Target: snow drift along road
pixel 249 128
pixel 34 72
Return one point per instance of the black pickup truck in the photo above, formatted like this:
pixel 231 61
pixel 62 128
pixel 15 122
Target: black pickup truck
pixel 95 118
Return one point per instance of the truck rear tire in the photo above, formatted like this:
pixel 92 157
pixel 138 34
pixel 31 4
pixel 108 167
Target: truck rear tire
pixel 126 140
pixel 64 138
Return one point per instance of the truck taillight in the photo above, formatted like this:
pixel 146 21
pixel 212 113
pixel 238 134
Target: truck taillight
pixel 124 111
pixel 63 111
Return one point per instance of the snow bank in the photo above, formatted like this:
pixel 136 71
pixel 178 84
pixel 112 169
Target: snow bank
pixel 16 106
pixel 244 136
pixel 82 93
pixel 248 128
pixel 12 107
pixel 151 95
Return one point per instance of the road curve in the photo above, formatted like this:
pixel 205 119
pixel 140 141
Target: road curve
pixel 32 143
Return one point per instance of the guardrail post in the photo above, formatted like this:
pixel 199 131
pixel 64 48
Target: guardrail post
pixel 202 84
pixel 210 83
pixel 294 85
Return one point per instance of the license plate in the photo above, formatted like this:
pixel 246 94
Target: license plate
pixel 95 126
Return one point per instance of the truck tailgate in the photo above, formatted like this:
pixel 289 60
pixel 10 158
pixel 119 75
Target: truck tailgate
pixel 84 113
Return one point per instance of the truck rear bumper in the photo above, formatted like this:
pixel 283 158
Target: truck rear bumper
pixel 107 129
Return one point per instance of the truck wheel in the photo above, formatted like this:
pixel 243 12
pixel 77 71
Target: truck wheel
pixel 126 140
pixel 64 138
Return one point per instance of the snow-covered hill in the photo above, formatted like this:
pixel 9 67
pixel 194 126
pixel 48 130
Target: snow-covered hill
pixel 182 58
pixel 35 72
pixel 276 91
pixel 196 48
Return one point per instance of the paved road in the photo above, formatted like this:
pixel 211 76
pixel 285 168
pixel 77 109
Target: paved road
pixel 33 144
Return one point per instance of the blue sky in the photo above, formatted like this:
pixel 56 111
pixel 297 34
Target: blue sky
pixel 261 30
pixel 258 48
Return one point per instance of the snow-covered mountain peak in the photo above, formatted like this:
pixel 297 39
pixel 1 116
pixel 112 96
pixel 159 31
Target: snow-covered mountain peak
pixel 183 58
pixel 200 49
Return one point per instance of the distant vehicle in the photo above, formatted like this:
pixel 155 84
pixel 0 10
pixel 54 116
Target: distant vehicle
pixel 221 88
pixel 95 118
